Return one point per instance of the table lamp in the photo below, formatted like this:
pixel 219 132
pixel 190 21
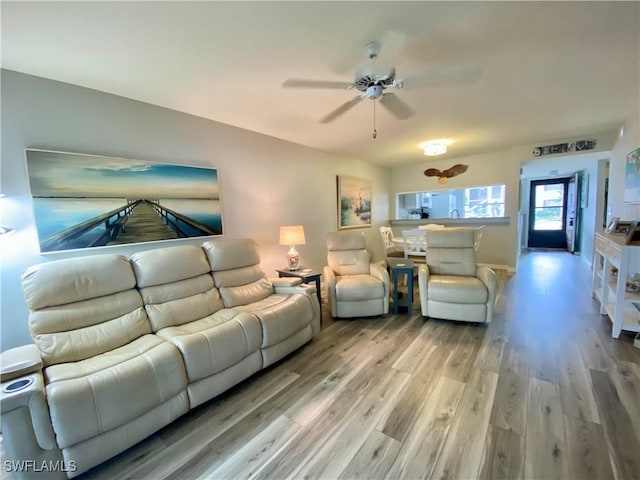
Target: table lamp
pixel 292 235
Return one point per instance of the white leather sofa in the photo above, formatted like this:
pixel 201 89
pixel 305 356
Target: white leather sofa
pixel 122 347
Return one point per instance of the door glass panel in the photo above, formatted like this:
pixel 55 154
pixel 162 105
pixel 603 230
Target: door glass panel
pixel 548 207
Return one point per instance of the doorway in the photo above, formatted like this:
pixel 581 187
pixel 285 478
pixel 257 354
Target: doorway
pixel 548 213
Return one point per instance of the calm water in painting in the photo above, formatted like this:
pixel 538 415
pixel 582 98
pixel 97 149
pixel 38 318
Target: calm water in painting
pixel 56 214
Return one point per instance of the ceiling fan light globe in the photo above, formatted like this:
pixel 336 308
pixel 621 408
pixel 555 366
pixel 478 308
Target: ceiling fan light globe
pixel 374 92
pixel 432 149
pixel 442 180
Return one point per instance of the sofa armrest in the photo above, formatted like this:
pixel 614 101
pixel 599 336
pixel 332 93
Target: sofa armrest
pixel 19 361
pixel 285 281
pixel 302 289
pixel 31 396
pixel 423 281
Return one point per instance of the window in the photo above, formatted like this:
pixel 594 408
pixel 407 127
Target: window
pixel 476 202
pixel 484 202
pixel 549 207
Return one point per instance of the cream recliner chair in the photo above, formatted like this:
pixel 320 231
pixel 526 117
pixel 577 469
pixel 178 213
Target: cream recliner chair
pixel 452 286
pixel 355 287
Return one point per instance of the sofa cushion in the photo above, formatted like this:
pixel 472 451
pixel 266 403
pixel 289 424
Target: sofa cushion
pixel 76 279
pixel 236 270
pixel 176 285
pixel 358 287
pixel 216 342
pixel 229 254
pixel 236 295
pixel 457 289
pixel 181 302
pixel 82 307
pixel 281 316
pixel 168 265
pixel 82 329
pixel 96 395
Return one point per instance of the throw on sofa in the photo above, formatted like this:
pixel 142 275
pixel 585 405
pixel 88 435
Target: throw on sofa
pixel 123 347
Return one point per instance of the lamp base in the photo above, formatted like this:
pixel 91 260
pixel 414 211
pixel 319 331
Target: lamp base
pixel 293 259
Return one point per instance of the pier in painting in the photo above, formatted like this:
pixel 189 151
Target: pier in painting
pixel 140 220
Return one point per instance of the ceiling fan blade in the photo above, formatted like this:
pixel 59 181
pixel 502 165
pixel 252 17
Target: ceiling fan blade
pixel 303 83
pixel 444 76
pixel 342 109
pixel 397 107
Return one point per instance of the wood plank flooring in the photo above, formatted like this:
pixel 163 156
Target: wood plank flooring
pixel 542 392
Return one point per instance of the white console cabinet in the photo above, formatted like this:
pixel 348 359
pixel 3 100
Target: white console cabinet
pixel 623 308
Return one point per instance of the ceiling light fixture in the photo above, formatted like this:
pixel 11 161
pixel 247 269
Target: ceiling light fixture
pixel 435 147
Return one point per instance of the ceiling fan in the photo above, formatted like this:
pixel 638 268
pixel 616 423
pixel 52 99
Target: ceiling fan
pixel 371 79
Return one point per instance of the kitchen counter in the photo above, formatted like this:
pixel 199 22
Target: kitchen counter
pixel 451 222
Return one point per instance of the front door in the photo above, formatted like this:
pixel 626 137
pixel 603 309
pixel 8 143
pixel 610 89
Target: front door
pixel 547 213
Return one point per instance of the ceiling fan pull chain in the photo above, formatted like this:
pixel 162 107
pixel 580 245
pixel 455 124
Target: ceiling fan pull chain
pixel 375 133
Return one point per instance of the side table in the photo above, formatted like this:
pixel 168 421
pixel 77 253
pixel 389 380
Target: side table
pixel 400 267
pixel 307 275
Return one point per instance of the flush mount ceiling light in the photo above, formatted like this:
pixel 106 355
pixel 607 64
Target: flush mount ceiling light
pixel 435 147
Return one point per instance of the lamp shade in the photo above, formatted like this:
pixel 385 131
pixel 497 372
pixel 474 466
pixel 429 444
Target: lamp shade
pixel 292 235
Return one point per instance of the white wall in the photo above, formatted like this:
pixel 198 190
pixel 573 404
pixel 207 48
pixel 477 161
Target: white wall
pixel 499 242
pixel 265 182
pixel 626 143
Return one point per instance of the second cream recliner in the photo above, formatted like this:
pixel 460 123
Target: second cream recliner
pixel 452 285
pixel 355 287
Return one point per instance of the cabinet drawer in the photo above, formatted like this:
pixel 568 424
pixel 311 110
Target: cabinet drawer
pixel 614 253
pixel 601 245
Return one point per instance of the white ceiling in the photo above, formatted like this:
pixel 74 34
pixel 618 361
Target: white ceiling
pixel 548 69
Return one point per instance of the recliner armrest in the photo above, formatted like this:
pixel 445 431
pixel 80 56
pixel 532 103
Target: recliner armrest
pixel 285 281
pixel 329 275
pixel 33 397
pixel 380 272
pixel 302 289
pixel 19 361
pixel 488 277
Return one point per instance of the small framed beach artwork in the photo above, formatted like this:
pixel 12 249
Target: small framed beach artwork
pixel 632 177
pixel 82 201
pixel 354 202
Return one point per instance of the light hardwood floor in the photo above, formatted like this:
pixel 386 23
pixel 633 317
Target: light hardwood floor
pixel 542 392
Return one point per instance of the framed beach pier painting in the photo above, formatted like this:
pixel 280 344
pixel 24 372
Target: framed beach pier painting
pixel 83 201
pixel 354 202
